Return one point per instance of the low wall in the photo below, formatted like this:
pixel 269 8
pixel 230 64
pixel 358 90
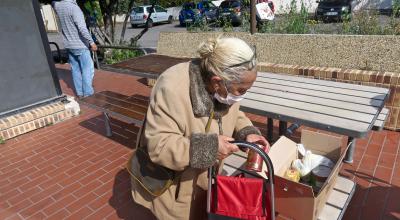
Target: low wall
pixel 379 53
pixel 314 56
pixel 27 121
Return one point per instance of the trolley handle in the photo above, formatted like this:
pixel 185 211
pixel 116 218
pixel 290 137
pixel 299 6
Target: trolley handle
pixel 243 145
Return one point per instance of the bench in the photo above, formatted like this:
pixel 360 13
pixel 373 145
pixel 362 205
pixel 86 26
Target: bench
pixel 381 120
pixel 131 109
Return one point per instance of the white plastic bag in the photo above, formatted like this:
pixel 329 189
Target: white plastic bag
pixel 309 161
pixel 315 159
pixel 264 12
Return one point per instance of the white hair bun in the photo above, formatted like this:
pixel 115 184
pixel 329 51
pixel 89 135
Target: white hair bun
pixel 218 56
pixel 207 48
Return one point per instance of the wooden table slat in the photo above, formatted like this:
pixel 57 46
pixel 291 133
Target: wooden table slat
pixel 325 95
pixel 308 107
pixel 151 63
pixel 318 88
pixel 327 83
pixel 315 100
pixel 325 122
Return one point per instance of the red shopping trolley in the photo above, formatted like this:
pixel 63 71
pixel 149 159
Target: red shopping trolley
pixel 240 197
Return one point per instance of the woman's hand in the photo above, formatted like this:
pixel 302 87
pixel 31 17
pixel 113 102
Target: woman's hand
pixel 224 147
pixel 258 139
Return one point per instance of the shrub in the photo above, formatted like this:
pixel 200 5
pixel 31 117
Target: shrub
pixel 112 56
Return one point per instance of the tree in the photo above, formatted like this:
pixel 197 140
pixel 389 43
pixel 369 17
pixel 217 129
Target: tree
pixel 129 7
pixel 108 8
pixel 146 28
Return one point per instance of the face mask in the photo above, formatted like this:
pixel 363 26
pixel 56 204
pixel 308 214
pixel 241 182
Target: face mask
pixel 230 98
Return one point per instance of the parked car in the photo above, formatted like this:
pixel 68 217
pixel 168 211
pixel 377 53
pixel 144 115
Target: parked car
pixel 231 10
pixel 234 9
pixel 189 13
pixel 208 10
pixel 140 14
pixel 329 10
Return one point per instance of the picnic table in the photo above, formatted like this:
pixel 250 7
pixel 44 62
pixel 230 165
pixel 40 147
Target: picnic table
pixel 342 108
pixel 149 66
pixel 346 109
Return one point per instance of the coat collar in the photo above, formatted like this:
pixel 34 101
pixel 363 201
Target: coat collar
pixel 202 101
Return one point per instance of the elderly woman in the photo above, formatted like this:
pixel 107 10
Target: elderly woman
pixel 186 97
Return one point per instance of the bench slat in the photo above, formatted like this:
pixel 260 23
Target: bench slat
pixel 135 99
pixel 380 121
pixel 120 103
pixel 136 117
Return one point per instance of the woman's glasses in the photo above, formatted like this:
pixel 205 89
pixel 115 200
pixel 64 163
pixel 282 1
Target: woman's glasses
pixel 252 61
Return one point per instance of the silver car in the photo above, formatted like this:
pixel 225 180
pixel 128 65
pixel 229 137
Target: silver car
pixel 140 14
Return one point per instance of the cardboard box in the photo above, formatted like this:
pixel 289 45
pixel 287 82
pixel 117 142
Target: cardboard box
pixel 297 200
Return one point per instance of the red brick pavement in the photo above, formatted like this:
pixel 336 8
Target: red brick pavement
pixel 71 170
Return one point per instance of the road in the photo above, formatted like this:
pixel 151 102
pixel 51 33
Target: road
pixel 149 39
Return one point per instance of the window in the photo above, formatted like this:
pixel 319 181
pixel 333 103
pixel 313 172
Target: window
pixel 230 4
pixel 206 5
pixel 138 10
pixel 159 9
pixel 189 6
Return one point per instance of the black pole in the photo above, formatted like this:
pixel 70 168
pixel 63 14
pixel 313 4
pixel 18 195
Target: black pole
pixel 253 22
pixel 270 129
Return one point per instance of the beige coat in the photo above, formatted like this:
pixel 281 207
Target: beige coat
pixel 174 135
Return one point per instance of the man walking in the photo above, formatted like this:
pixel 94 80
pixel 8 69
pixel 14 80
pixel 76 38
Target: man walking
pixel 77 41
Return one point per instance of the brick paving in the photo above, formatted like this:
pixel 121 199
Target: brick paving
pixel 71 170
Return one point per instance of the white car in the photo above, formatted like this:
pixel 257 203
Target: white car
pixel 140 14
